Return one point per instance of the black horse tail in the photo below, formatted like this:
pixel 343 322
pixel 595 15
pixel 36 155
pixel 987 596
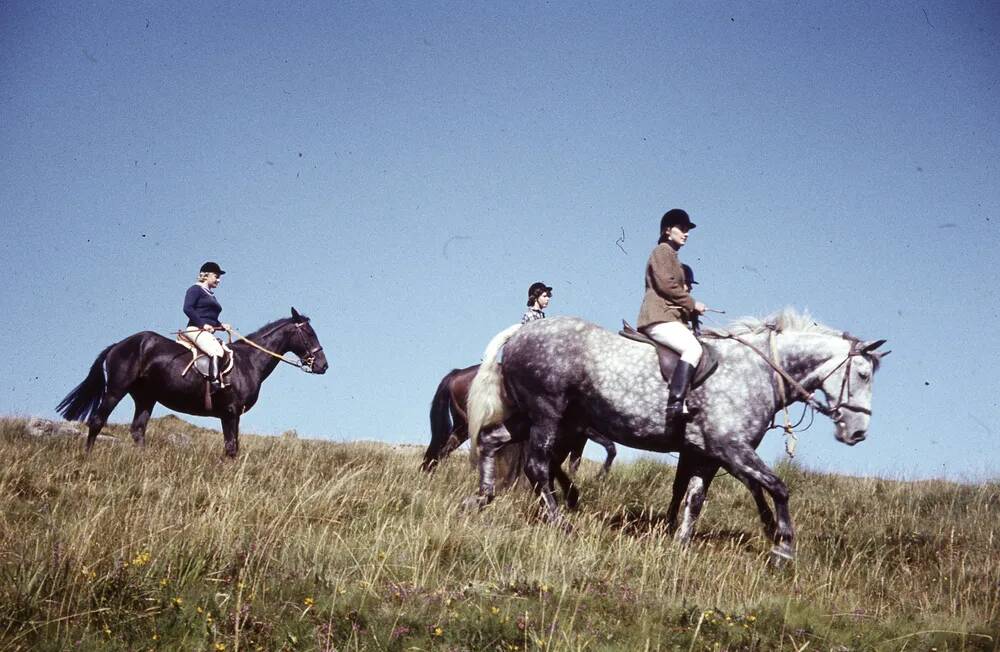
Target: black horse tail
pixel 441 423
pixel 85 397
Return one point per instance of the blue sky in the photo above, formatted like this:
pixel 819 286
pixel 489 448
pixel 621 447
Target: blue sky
pixel 402 172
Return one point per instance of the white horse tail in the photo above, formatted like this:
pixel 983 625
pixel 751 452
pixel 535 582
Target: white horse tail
pixel 486 407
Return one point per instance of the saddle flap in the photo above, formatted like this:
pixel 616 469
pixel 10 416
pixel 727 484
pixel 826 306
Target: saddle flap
pixel 668 358
pixel 199 361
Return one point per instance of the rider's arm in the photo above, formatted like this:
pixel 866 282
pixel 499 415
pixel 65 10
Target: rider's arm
pixel 190 301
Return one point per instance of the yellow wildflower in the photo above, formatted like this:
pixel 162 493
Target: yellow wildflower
pixel 438 631
pixel 308 602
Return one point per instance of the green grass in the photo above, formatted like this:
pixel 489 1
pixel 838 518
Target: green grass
pixel 306 545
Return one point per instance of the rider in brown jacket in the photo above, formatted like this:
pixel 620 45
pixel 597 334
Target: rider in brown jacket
pixel 668 308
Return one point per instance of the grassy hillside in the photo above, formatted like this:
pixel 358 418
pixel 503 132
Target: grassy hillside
pixel 304 545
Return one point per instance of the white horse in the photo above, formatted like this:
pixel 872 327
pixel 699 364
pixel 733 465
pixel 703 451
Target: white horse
pixel 561 372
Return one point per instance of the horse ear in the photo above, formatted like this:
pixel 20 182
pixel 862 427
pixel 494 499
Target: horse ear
pixel 868 347
pixel 295 315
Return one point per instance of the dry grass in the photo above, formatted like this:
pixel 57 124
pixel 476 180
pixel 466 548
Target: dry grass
pixel 304 545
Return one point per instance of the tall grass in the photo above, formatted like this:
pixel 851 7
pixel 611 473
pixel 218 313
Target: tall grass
pixel 304 545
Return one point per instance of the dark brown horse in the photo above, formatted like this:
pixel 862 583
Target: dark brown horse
pixel 150 368
pixel 450 423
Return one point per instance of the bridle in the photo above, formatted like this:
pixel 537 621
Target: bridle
pixel 831 411
pixel 845 385
pixel 305 362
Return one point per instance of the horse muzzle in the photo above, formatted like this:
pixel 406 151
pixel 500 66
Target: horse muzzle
pixel 315 365
pixel 850 437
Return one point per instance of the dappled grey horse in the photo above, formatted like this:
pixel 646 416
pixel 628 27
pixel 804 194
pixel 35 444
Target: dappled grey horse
pixel 562 371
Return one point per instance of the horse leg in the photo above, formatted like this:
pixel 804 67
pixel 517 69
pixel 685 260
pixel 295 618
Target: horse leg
pixel 766 516
pixel 748 468
pixel 569 488
pixel 538 469
pixel 700 477
pixel 609 449
pixel 99 418
pixel 576 456
pixel 143 409
pixel 490 443
pixel 231 434
pixel 685 469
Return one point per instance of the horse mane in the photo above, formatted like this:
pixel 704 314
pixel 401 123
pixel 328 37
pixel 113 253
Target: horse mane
pixel 272 325
pixel 786 320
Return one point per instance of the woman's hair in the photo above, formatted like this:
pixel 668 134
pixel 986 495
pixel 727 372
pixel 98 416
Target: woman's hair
pixel 202 277
pixel 533 297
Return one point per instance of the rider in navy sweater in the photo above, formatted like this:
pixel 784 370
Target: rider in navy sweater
pixel 202 310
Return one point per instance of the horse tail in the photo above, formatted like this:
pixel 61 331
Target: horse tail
pixel 441 423
pixel 82 402
pixel 486 404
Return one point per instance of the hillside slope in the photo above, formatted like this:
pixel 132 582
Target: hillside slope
pixel 308 545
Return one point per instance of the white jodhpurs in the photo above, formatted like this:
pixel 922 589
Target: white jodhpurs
pixel 205 341
pixel 679 338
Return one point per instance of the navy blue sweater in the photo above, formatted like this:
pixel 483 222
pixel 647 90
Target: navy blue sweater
pixel 201 307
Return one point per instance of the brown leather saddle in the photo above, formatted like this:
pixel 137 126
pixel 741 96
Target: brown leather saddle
pixel 199 361
pixel 668 357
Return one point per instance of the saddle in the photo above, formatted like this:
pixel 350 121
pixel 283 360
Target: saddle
pixel 199 361
pixel 668 357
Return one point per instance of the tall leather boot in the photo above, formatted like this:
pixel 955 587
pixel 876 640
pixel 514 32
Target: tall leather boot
pixel 679 384
pixel 213 373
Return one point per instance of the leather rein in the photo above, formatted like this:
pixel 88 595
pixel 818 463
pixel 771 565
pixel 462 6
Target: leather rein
pixel 306 361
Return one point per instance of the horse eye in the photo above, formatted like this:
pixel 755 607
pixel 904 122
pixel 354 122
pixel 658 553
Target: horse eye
pixel 864 375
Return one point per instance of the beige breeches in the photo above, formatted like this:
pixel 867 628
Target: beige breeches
pixel 205 341
pixel 679 338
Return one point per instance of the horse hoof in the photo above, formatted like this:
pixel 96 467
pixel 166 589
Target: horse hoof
pixel 782 555
pixel 474 503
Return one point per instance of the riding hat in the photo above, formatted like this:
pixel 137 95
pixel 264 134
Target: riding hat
pixel 213 268
pixel 675 217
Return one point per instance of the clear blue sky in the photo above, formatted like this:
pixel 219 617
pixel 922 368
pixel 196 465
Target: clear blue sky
pixel 402 172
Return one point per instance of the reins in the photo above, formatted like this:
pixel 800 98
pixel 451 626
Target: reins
pixel 304 366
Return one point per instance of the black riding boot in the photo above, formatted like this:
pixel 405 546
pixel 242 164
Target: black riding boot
pixel 679 384
pixel 213 373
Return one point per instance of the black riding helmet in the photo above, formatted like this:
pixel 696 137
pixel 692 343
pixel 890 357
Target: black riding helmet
pixel 213 268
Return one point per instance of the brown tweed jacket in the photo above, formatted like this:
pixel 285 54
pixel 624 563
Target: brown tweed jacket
pixel 665 298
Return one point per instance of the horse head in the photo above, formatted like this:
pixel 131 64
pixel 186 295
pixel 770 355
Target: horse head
pixel 305 344
pixel 848 388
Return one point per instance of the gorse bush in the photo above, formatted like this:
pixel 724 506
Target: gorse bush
pixel 307 545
